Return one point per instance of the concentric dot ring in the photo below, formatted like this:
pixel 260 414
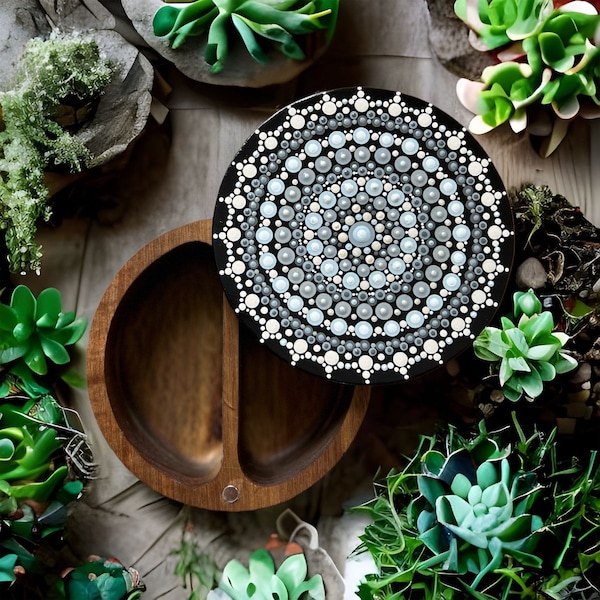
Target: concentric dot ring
pixel 363 235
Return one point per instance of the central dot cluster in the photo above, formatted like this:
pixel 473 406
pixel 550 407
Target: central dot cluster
pixel 363 236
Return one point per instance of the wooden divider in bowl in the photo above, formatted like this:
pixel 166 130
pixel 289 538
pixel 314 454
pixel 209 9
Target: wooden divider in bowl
pixel 191 402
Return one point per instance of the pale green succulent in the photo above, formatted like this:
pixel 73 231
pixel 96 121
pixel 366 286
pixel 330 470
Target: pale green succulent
pixel 527 354
pixel 477 517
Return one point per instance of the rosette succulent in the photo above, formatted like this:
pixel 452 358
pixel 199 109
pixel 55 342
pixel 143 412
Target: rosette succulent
pixel 527 354
pixel 477 511
pixel 497 514
pixel 34 331
pixel 258 23
pixel 546 55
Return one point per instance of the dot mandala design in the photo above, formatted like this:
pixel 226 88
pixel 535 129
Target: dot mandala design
pixel 364 235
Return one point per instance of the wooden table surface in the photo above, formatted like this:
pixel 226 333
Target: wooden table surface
pixel 172 178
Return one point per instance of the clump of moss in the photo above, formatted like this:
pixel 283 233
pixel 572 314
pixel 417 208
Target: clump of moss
pixel 65 66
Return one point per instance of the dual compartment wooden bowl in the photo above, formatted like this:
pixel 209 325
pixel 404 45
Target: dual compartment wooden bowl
pixel 192 403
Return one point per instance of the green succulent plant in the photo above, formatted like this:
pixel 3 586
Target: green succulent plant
pixel 256 22
pixel 527 354
pixel 547 56
pixel 492 515
pixel 260 581
pixel 35 331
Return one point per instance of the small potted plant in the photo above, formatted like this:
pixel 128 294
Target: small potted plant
pixel 486 515
pixel 546 66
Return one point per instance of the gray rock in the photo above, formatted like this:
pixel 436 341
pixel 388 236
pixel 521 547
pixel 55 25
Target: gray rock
pixel 531 274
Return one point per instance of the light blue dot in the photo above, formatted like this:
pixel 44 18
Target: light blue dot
pixel 410 146
pixel 313 220
pixel 456 208
pixel 267 260
pixel 421 289
pixel 276 186
pixel 327 199
pixel 374 187
pixel 338 326
pixel 343 309
pixel 458 258
pixel 391 328
pixel 434 302
pixel 293 164
pixel 431 164
pixel 268 209
pixel 349 188
pixel 312 148
pixel 295 303
pixel 395 197
pixel 408 245
pixel 386 139
pixel 350 280
pixel 264 235
pixel 280 284
pixel 336 139
pixel 363 330
pixel 314 247
pixel 343 156
pixel 397 266
pixel 448 187
pixel 329 267
pixel 361 135
pixel 461 233
pixel 377 279
pixel 415 318
pixel 451 282
pixel 408 219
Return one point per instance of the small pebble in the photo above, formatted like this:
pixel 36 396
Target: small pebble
pixel 531 274
pixel 582 374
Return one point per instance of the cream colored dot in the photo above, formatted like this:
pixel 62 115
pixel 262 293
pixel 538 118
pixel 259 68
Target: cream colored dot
pixel 252 300
pixel 394 109
pixel 400 359
pixel 272 325
pixel 239 202
pixel 329 108
pixel 494 232
pixel 297 121
pixel 475 168
pixel 234 234
pixel 238 267
pixel 478 297
pixel 424 120
pixel 430 346
pixel 332 357
pixel 453 142
pixel 487 199
pixel 489 265
pixel 361 105
pixel 271 143
pixel 249 171
pixel 300 346
pixel 365 362
pixel 458 324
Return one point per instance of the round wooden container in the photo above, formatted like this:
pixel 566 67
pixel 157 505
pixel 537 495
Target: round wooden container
pixel 191 402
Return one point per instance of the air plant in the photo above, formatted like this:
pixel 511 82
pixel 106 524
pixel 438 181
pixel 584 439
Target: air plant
pixel 65 66
pixel 547 56
pixel 527 354
pixel 256 22
pixel 488 515
pixel 260 581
